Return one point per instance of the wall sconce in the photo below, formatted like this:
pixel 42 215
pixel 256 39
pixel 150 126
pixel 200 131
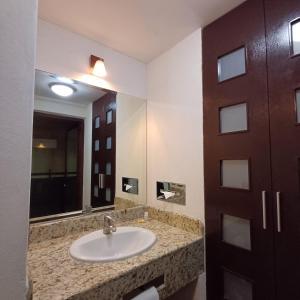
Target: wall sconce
pixel 97 66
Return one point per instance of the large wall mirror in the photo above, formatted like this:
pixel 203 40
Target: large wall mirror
pixel 88 151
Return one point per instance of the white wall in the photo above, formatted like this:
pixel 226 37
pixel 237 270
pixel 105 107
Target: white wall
pixel 53 106
pixel 17 40
pixel 131 149
pixel 62 52
pixel 175 133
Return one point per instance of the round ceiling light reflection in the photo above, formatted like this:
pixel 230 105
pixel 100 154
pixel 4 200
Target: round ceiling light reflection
pixel 62 90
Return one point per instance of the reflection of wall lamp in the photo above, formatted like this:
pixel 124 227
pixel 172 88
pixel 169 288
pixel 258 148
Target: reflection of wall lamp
pixel 41 146
pixel 44 143
pixel 97 66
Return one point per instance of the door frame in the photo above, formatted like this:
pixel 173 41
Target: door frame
pixel 80 163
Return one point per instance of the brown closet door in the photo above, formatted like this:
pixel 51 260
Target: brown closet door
pixel 239 241
pixel 104 151
pixel 283 44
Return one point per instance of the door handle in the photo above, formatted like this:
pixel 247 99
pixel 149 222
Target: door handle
pixel 264 209
pixel 101 182
pixel 278 211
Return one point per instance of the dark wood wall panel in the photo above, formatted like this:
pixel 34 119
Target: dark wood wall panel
pixel 284 79
pixel 100 108
pixel 243 26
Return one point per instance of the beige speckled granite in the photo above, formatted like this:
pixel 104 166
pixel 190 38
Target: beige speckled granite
pixel 59 228
pixel 181 221
pixel 121 203
pixel 177 254
pixel 186 223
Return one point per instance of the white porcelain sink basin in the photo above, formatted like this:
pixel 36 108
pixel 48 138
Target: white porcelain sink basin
pixel 124 243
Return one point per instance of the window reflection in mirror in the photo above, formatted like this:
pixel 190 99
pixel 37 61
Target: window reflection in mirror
pixel 83 144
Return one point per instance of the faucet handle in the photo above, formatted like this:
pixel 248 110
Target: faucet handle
pixel 108 219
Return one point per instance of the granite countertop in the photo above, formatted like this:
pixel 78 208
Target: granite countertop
pixel 55 275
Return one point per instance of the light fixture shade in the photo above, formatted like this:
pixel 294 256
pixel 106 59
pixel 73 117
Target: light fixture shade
pixel 98 67
pixel 62 90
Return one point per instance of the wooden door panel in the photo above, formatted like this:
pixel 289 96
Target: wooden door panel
pixel 284 79
pixel 243 26
pixel 100 108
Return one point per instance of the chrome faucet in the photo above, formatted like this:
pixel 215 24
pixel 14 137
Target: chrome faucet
pixel 109 225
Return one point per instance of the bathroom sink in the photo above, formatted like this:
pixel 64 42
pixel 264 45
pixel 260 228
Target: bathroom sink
pixel 124 243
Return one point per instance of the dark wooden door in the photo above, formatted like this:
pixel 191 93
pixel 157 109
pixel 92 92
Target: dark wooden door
pixel 104 151
pixel 59 190
pixel 238 204
pixel 74 167
pixel 283 38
